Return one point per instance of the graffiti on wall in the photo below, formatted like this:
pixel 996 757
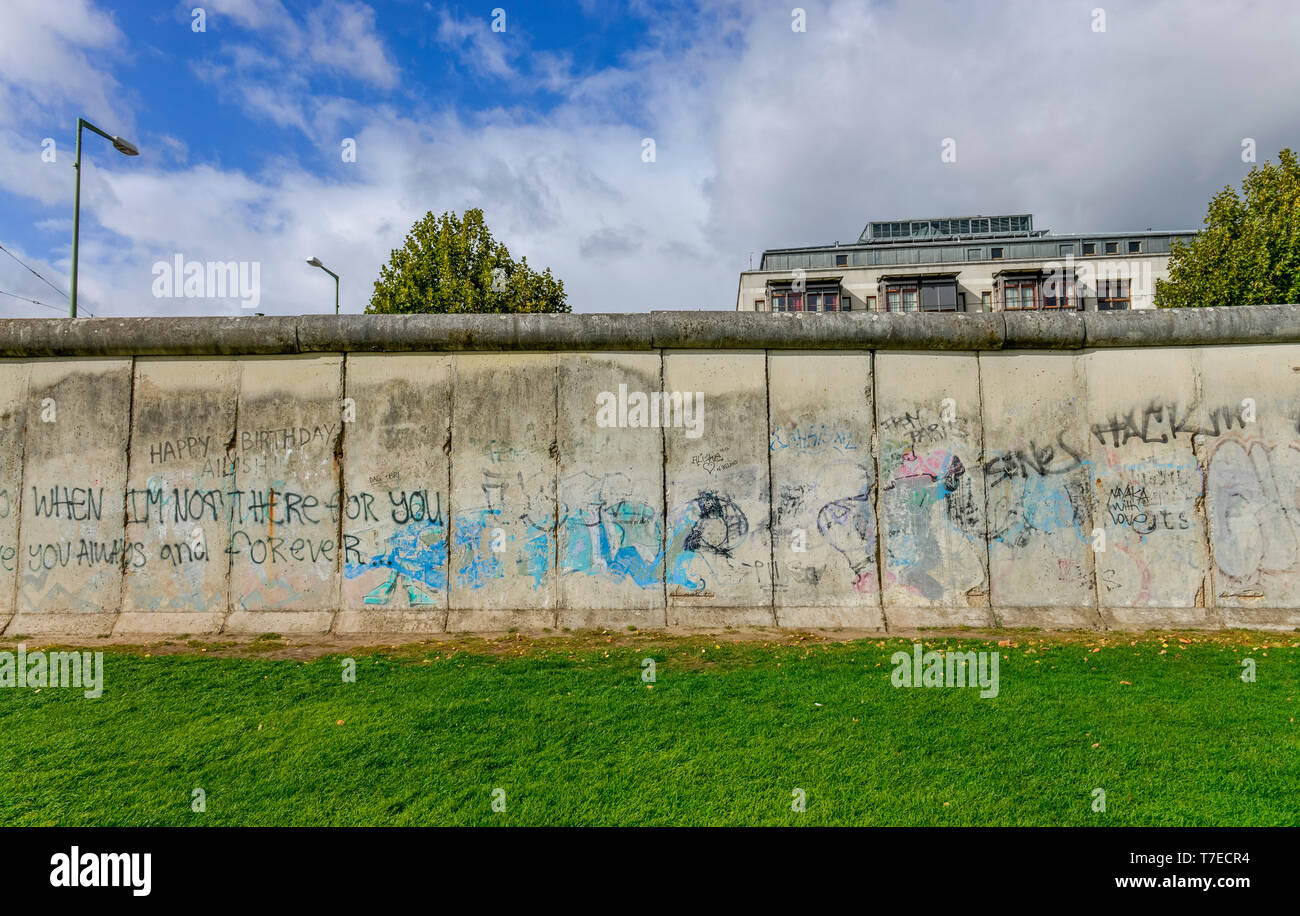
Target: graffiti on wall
pixel 1253 499
pixel 931 506
pixel 613 533
pixel 414 562
pixel 1134 471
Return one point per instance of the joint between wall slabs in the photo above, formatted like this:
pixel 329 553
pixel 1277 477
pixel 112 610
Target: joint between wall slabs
pixel 1081 378
pixel 994 617
pixel 453 384
pixel 126 505
pixel 341 479
pixel 877 489
pixel 22 483
pixel 449 452
pixel 1208 593
pixel 232 464
pixel 771 521
pixel 556 590
pixel 665 538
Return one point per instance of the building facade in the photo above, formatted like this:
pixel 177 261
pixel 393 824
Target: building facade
pixel 962 264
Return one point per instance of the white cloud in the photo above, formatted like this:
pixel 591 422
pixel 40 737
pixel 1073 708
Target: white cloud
pixel 341 38
pixel 57 52
pixel 248 14
pixel 481 49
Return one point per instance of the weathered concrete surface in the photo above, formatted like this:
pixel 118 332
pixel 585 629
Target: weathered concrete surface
pixel 611 491
pixel 928 423
pixel 396 525
pixel 1145 407
pixel 1039 489
pixel 718 495
pixel 824 545
pixel 966 468
pixel 286 526
pixel 503 470
pixel 1250 448
pixel 177 507
pixel 13 420
pixel 74 484
pixel 26 338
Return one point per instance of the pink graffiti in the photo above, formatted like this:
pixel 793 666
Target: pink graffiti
pixel 933 465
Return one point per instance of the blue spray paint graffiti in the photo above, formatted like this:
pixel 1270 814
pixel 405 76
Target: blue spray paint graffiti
pixel 475 534
pixel 636 528
pixel 417 552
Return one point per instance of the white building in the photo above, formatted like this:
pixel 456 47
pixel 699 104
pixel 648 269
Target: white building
pixel 963 264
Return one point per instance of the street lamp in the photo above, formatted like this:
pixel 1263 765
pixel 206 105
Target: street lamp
pixel 315 262
pixel 126 148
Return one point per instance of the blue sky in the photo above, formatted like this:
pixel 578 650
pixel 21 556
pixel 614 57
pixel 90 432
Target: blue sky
pixel 765 136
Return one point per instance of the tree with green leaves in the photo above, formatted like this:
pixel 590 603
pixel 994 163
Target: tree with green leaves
pixel 452 264
pixel 1249 251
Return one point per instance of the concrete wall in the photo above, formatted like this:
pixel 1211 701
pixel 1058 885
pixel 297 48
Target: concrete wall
pixel 475 473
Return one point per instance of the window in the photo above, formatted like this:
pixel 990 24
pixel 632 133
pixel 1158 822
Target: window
pixel 758 305
pixel 846 303
pixel 841 260
pixel 1089 247
pixel 938 296
pixel 822 299
pixel 1019 295
pixel 986 301
pixel 1059 293
pixel 820 295
pixel 973 254
pixel 869 303
pixel 1112 295
pixel 900 299
pixel 1065 250
pixel 1134 247
pixel 961 302
pixel 995 254
pixel 1112 248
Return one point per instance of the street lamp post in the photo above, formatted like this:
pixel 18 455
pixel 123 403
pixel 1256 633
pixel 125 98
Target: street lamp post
pixel 126 148
pixel 315 262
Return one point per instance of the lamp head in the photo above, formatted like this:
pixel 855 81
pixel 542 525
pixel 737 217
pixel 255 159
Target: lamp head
pixel 315 262
pixel 125 147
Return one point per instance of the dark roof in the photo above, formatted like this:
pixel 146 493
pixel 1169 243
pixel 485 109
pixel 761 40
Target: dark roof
pixel 982 240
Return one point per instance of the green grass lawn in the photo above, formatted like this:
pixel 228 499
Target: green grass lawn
pixel 571 733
